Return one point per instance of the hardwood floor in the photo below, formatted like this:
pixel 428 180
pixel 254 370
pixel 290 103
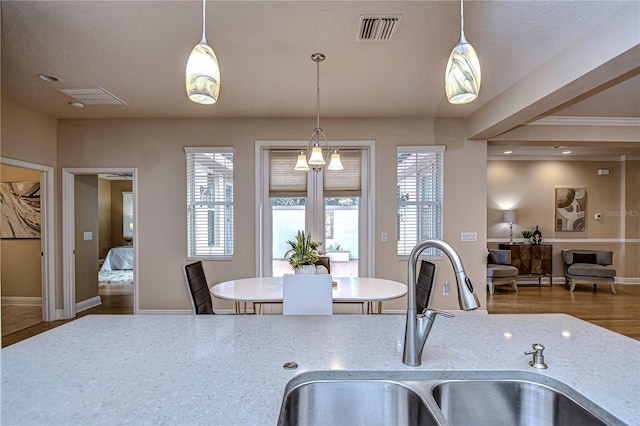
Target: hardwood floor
pixel 111 304
pixel 616 312
pixel 619 313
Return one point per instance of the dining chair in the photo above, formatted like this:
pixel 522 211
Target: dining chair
pixel 426 280
pixel 198 288
pixel 307 294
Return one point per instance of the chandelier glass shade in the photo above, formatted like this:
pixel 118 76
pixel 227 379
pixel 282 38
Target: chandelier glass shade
pixel 318 154
pixel 202 76
pixel 462 77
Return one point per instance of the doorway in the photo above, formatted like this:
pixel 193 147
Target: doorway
pixel 99 270
pixel 38 304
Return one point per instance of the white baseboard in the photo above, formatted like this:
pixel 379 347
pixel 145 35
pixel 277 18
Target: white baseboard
pixel 164 312
pixel 88 304
pixel 18 300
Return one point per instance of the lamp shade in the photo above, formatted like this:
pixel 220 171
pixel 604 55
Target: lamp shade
pixel 202 77
pixel 302 165
pixel 316 156
pixel 462 77
pixel 335 163
pixel 510 216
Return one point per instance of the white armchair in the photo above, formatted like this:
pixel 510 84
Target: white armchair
pixel 307 295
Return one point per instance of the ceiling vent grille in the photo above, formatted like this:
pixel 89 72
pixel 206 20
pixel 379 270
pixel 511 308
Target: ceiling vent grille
pixel 92 96
pixel 378 27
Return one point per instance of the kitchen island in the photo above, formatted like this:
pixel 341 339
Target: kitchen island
pixel 228 369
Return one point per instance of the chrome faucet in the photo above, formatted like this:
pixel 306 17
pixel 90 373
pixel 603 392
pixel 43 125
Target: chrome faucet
pixel 419 325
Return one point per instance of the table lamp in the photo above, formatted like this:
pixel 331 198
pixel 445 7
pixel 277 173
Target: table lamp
pixel 510 216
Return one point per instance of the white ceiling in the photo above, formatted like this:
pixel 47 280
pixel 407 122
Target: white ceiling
pixel 137 51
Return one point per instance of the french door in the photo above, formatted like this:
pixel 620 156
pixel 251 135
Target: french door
pixel 328 205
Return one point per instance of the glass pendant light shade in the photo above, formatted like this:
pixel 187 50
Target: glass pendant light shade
pixel 203 74
pixel 462 76
pixel 302 165
pixel 202 77
pixel 316 158
pixel 462 79
pixel 335 163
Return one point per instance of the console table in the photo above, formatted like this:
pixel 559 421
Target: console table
pixel 534 261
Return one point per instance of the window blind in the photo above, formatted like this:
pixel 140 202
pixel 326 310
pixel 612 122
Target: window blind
pixel 209 202
pixel 346 182
pixel 419 196
pixel 283 180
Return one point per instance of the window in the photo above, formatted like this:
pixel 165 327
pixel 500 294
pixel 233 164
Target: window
pixel 209 202
pixel 419 195
pixel 127 215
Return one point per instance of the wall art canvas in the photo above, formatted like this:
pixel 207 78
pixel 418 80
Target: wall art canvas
pixel 20 210
pixel 571 205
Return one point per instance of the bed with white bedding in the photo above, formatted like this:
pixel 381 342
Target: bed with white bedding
pixel 116 273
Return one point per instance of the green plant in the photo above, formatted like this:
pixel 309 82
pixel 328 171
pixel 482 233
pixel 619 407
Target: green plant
pixel 335 246
pixel 527 234
pixel 303 251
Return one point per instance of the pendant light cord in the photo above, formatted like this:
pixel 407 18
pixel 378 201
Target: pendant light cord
pixel 204 4
pixel 318 94
pixel 462 19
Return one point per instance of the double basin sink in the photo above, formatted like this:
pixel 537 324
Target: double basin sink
pixel 435 398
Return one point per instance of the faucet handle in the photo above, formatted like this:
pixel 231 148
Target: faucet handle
pixel 431 313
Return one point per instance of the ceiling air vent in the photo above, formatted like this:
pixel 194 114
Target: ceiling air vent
pixel 378 27
pixel 92 96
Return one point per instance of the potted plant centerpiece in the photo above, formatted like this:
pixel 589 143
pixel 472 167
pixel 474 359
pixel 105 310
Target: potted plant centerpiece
pixel 303 254
pixel 526 234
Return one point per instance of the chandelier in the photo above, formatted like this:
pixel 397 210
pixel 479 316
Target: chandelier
pixel 318 141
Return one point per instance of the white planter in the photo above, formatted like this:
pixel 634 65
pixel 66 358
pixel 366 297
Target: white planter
pixel 305 270
pixel 338 255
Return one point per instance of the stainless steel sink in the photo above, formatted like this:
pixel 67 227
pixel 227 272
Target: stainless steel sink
pixel 508 402
pixel 436 398
pixel 338 402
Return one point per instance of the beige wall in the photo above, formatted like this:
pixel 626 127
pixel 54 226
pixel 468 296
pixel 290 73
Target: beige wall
pixel 529 187
pixel 632 217
pixel 156 148
pixel 104 217
pixel 86 251
pixel 117 208
pixel 21 266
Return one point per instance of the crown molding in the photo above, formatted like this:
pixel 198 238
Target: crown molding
pixel 587 121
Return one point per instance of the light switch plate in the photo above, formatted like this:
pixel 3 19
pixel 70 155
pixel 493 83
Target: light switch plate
pixel 468 236
pixel 88 236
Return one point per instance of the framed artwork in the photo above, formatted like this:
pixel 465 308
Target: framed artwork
pixel 20 210
pixel 571 206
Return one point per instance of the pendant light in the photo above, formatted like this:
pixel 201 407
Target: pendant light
pixel 203 73
pixel 317 158
pixel 462 77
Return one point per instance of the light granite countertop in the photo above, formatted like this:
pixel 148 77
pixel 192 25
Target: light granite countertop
pixel 228 369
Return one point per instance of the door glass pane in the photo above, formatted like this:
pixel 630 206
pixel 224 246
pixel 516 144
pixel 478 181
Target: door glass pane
pixel 341 235
pixel 288 216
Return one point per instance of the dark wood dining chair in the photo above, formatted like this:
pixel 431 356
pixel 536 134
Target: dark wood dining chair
pixel 426 280
pixel 198 288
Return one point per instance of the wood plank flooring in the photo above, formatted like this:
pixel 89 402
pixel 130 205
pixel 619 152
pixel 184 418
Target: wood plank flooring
pixel 619 312
pixel 113 304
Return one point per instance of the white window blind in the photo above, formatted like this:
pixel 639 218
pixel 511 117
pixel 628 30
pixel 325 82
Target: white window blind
pixel 346 182
pixel 283 180
pixel 209 202
pixel 127 214
pixel 419 196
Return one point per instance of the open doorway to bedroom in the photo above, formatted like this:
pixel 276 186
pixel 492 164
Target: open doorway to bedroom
pixel 99 242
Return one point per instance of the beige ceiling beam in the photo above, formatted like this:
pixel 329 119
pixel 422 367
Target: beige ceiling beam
pixel 572 133
pixel 608 54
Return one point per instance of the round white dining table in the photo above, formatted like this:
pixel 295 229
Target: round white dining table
pixel 345 290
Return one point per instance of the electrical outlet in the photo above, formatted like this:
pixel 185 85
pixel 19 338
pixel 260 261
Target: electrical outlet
pixel 468 236
pixel 445 288
pixel 383 236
